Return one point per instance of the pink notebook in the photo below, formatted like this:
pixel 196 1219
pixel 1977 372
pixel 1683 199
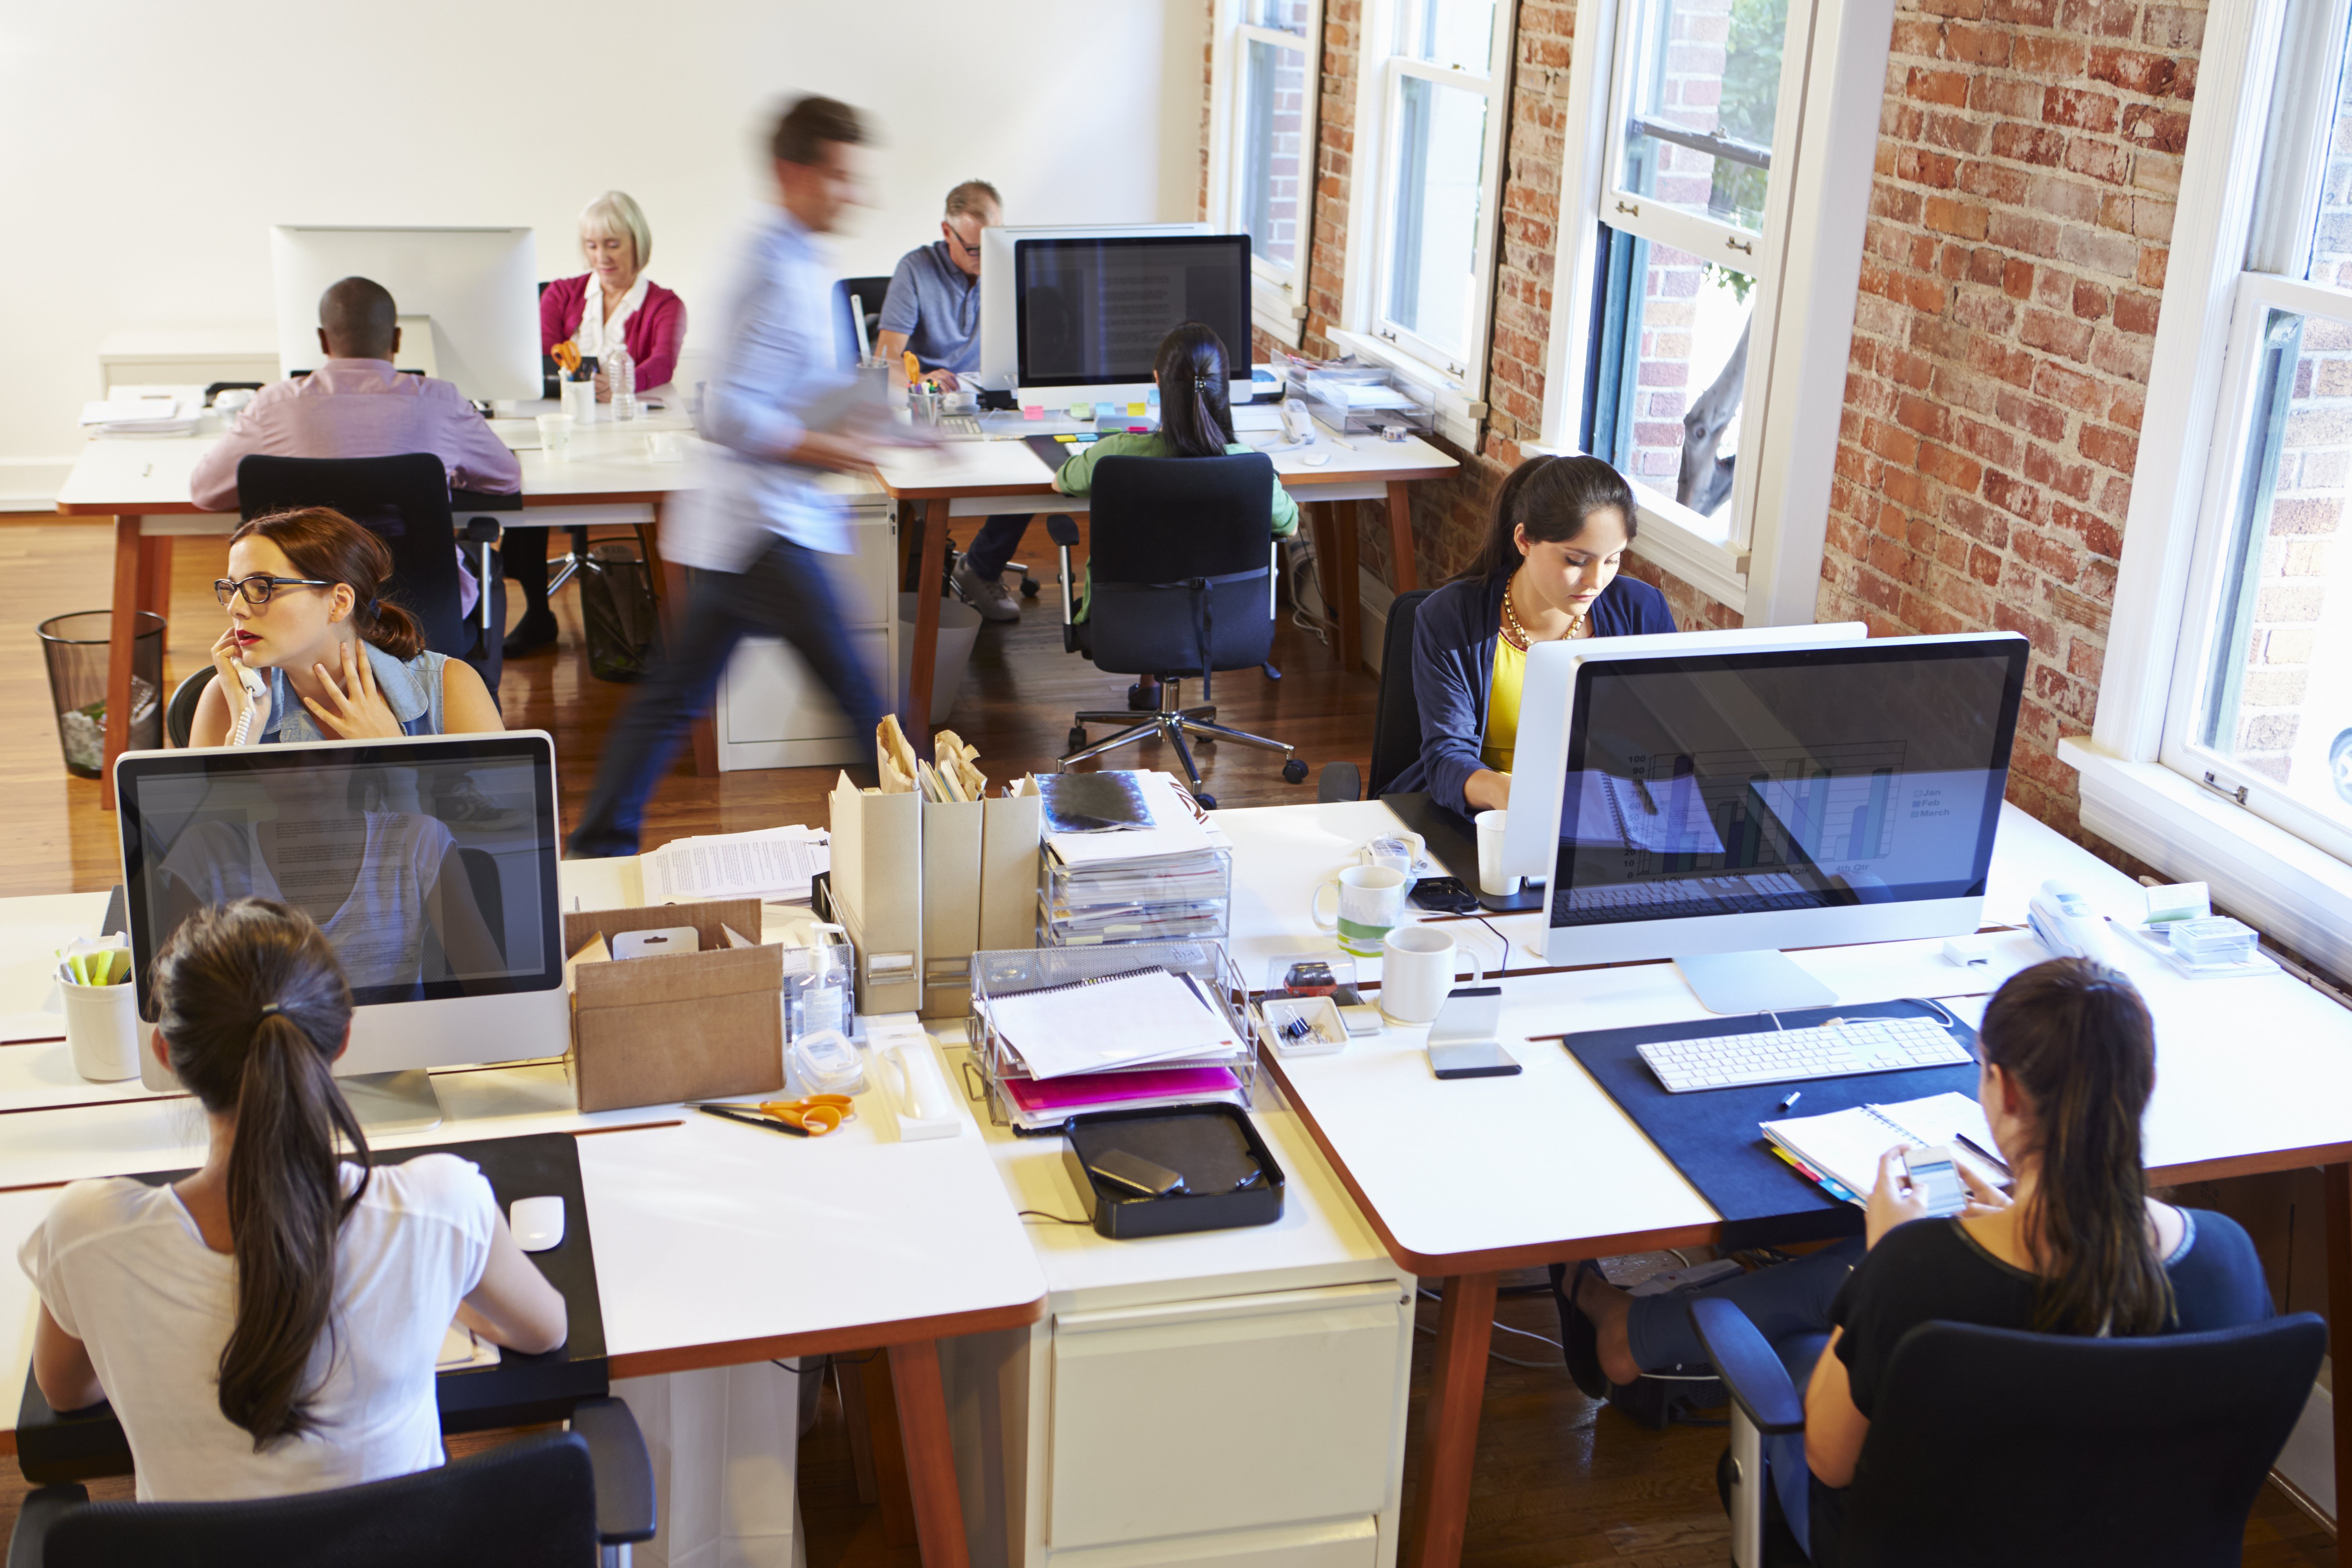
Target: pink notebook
pixel 1086 1092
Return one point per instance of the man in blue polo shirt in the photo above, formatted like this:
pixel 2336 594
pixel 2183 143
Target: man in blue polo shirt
pixel 933 310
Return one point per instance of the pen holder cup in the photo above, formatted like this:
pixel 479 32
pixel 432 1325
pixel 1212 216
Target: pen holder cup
pixel 103 1030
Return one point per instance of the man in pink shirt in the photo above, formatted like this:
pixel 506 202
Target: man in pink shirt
pixel 356 405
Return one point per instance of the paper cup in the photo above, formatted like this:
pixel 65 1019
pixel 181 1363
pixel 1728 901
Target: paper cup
pixel 555 435
pixel 103 1030
pixel 1490 856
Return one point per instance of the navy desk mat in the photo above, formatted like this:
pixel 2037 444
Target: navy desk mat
pixel 1714 1136
pixel 81 1445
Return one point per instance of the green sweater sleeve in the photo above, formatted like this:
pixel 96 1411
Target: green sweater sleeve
pixel 1076 477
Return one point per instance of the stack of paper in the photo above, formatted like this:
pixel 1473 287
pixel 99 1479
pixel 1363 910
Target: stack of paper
pixel 772 864
pixel 1167 875
pixel 158 415
pixel 1118 1021
pixel 1033 1103
pixel 1841 1150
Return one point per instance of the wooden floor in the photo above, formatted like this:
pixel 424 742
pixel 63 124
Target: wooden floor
pixel 1559 1480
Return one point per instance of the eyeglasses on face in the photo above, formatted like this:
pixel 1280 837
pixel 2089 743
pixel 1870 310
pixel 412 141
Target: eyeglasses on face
pixel 258 587
pixel 957 240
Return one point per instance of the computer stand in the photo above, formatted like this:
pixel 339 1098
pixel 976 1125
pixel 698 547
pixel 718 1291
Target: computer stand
pixel 1765 982
pixel 393 1103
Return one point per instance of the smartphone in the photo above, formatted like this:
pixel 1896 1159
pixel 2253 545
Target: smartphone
pixel 1935 1175
pixel 656 943
pixel 1134 1173
pixel 1444 895
pixel 1472 1059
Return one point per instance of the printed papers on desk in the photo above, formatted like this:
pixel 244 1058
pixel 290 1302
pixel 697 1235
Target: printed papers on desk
pixel 1137 1040
pixel 1106 880
pixel 774 865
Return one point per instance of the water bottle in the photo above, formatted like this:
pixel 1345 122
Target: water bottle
pixel 621 376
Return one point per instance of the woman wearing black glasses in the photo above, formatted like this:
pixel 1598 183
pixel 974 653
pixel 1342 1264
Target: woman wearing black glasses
pixel 304 595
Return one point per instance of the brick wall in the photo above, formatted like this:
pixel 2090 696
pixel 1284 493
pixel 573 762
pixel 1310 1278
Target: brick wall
pixel 2028 160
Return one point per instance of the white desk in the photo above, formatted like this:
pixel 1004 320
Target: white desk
pixel 968 478
pixel 2252 1075
pixel 717 1245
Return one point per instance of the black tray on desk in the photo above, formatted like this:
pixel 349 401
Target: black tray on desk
pixel 1713 1136
pixel 1212 1145
pixel 81 1444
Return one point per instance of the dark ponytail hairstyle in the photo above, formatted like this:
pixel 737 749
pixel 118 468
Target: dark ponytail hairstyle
pixel 1194 413
pixel 323 543
pixel 1553 497
pixel 2076 1040
pixel 253 1006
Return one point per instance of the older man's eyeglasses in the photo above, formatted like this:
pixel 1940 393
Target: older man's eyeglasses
pixel 258 588
pixel 957 240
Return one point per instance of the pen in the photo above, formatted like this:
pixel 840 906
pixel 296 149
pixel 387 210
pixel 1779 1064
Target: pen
pixel 1792 1099
pixel 749 1117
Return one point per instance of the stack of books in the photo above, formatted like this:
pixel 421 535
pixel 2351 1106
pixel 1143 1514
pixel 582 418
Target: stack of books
pixel 1129 858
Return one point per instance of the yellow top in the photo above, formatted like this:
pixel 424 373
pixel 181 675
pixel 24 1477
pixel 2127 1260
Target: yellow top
pixel 1503 706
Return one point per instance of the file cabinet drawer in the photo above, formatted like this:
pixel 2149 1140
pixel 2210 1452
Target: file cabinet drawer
pixel 773 695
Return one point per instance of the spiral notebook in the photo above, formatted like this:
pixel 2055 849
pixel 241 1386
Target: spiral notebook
pixel 1841 1150
pixel 1116 1021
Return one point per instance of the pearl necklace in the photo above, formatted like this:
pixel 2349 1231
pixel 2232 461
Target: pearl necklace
pixel 1518 634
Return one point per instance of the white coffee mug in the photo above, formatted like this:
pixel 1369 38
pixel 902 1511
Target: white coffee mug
pixel 1417 973
pixel 1369 901
pixel 103 1030
pixel 1490 856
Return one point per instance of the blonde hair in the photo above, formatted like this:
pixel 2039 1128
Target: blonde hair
pixel 615 213
pixel 975 197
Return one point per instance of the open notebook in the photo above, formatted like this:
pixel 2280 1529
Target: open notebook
pixel 1841 1149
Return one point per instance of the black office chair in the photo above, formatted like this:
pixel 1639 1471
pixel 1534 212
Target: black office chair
pixel 1396 714
pixel 553 1499
pixel 1182 585
pixel 868 292
pixel 180 715
pixel 405 502
pixel 2034 1451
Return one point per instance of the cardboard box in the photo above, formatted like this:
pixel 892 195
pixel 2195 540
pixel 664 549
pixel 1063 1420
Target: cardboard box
pixel 690 1026
pixel 877 892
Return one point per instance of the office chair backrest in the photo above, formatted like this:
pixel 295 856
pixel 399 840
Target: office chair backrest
pixel 1992 1446
pixel 1181 564
pixel 404 501
pixel 868 292
pixel 180 717
pixel 1396 719
pixel 530 1504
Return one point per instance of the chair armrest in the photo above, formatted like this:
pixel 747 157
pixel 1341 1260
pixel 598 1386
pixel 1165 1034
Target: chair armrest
pixel 625 1473
pixel 480 530
pixel 1062 529
pixel 1758 1382
pixel 42 1508
pixel 484 501
pixel 1337 782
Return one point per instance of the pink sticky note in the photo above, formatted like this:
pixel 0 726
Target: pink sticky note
pixel 1032 411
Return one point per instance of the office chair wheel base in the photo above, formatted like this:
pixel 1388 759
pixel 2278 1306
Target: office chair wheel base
pixel 1076 738
pixel 1293 771
pixel 1028 586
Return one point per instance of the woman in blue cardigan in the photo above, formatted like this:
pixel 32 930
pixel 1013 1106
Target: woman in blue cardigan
pixel 1549 572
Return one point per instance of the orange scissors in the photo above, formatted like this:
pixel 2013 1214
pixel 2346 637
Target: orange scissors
pixel 814 1114
pixel 566 355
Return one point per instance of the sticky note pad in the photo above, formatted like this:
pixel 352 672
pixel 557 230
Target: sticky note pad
pixel 1138 410
pixel 1032 411
pixel 1082 410
pixel 1066 438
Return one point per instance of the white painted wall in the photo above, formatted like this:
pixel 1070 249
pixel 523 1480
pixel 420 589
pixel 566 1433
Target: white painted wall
pixel 146 146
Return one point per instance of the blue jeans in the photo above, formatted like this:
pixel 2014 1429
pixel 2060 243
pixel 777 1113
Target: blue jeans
pixel 1789 1305
pixel 998 538
pixel 784 594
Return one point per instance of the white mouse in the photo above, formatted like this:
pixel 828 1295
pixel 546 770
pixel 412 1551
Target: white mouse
pixel 538 1223
pixel 1314 459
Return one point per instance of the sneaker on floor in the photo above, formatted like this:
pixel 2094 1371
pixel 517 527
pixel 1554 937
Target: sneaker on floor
pixel 986 595
pixel 535 631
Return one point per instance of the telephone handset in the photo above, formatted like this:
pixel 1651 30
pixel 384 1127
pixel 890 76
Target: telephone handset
pixel 246 731
pixel 1297 427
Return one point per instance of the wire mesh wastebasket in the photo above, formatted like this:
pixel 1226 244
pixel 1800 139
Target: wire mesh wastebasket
pixel 76 646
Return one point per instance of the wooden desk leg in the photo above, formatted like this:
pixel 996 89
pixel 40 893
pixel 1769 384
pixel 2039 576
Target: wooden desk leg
pixel 1405 575
pixel 923 658
pixel 880 1391
pixel 1450 1423
pixel 2337 1180
pixel 1334 524
pixel 130 583
pixel 930 1456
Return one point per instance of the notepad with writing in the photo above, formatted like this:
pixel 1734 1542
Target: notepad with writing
pixel 1118 1021
pixel 1844 1146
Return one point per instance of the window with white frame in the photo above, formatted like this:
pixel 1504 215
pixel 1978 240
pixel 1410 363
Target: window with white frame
pixel 1436 80
pixel 1263 147
pixel 1693 91
pixel 2261 699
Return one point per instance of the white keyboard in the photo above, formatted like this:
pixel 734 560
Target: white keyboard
pixel 1836 1049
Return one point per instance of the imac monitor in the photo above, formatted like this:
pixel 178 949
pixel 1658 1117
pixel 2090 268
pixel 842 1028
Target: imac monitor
pixel 429 864
pixel 1091 312
pixel 475 289
pixel 1000 322
pixel 1719 806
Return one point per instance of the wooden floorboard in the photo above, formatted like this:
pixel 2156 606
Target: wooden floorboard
pixel 1559 1480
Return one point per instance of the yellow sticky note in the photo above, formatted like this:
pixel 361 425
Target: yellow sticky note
pixel 1066 438
pixel 1138 410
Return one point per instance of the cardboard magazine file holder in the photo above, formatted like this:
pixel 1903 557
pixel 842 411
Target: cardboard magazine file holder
pixel 1012 830
pixel 952 832
pixel 686 1025
pixel 877 891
